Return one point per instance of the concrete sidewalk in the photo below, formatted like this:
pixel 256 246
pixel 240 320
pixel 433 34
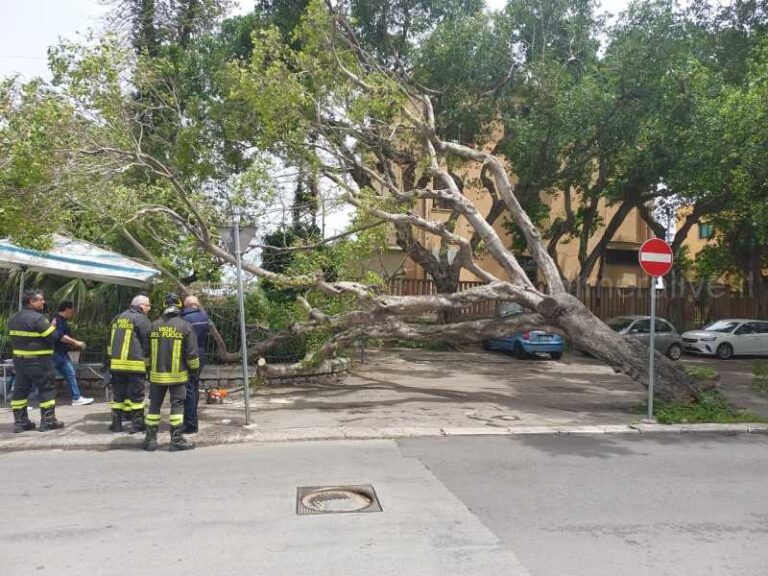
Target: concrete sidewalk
pixel 410 393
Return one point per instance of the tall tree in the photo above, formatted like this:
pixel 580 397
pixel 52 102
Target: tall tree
pixel 367 125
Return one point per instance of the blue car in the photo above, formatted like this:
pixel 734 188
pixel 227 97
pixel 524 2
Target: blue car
pixel 527 343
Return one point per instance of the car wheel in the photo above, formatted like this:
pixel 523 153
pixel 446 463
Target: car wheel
pixel 520 352
pixel 674 352
pixel 555 355
pixel 724 351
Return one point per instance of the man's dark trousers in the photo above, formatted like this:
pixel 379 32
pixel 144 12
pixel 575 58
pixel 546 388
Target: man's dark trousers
pixel 190 403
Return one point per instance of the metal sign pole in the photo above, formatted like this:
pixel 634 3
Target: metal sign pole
pixel 21 285
pixel 652 349
pixel 243 342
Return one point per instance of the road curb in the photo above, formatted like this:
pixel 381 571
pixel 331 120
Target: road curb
pixel 64 441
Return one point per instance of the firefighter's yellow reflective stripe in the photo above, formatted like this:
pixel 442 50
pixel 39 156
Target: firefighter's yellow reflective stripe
pixel 112 340
pixel 152 417
pixel 176 357
pixel 48 331
pixel 24 334
pixel 18 404
pixel 126 343
pixel 168 377
pixel 116 405
pixel 153 354
pixel 32 353
pixel 47 404
pixel 130 405
pixel 128 365
pixel 176 419
pixel 194 363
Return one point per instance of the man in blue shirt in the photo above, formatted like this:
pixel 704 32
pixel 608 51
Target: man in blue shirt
pixel 61 359
pixel 199 320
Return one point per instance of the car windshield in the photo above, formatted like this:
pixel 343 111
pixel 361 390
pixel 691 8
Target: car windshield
pixel 619 324
pixel 725 326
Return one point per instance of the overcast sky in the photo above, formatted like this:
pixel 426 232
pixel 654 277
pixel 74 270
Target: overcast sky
pixel 29 27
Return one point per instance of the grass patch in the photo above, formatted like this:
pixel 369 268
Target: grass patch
pixel 701 373
pixel 711 406
pixel 760 376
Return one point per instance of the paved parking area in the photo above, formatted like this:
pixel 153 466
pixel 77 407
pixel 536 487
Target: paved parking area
pixel 480 388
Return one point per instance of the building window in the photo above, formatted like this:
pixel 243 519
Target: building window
pixel 528 264
pixel 442 204
pixel 619 257
pixel 706 231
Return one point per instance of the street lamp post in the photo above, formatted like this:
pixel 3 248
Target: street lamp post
pixel 235 237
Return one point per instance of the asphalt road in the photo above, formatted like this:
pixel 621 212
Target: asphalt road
pixel 540 506
pixel 615 505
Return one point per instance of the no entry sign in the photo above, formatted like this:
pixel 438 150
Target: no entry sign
pixel 656 260
pixel 655 257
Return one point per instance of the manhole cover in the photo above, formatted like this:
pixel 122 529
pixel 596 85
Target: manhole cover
pixel 336 499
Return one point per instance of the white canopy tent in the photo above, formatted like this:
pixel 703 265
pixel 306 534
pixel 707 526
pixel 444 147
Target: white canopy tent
pixel 76 259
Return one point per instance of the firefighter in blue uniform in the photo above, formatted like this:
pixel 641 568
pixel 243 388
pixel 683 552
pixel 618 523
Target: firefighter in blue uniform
pixel 32 339
pixel 199 320
pixel 173 361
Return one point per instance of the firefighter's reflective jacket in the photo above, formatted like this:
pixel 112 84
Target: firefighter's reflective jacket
pixel 32 336
pixel 173 351
pixel 129 341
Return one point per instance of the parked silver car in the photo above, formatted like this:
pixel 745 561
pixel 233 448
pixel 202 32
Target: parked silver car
pixel 666 338
pixel 727 338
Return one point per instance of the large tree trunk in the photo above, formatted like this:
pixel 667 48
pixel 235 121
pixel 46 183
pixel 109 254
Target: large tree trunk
pixel 588 333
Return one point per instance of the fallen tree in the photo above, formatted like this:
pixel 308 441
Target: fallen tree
pixel 330 105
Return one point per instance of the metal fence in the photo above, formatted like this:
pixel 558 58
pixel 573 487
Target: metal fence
pixel 415 287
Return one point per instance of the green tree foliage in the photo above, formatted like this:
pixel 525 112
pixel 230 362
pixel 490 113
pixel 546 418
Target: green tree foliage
pixel 30 146
pixel 739 116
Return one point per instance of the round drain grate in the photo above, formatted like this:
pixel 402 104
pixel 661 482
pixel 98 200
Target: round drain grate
pixel 336 500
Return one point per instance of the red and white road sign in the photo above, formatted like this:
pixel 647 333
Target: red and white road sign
pixel 655 257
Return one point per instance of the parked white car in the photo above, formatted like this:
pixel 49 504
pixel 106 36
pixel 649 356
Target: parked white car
pixel 727 338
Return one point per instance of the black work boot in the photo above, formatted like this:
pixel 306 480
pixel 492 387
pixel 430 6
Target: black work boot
pixel 178 442
pixel 48 420
pixel 117 420
pixel 137 421
pixel 21 422
pixel 150 439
